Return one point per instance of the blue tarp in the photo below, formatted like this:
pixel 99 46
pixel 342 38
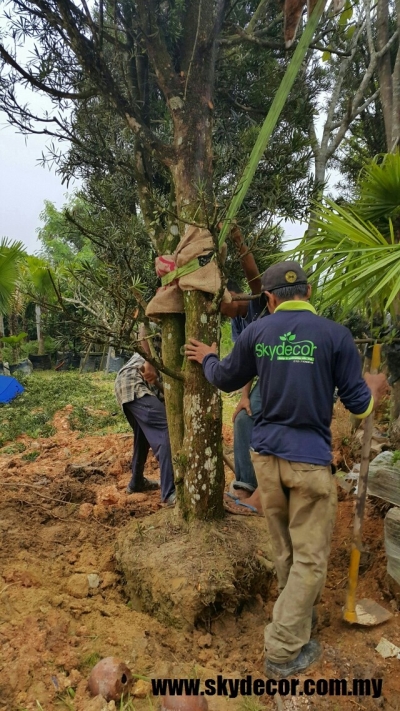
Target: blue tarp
pixel 9 388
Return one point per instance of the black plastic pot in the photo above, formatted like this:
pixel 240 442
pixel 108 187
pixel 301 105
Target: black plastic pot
pixel 68 361
pixel 115 364
pixel 92 364
pixel 40 362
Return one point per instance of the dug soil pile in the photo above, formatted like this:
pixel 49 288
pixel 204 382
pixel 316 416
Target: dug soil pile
pixel 60 515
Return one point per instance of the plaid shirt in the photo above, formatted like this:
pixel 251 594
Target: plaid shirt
pixel 130 384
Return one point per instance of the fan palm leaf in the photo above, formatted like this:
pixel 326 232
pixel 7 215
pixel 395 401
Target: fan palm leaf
pixel 11 253
pixel 355 253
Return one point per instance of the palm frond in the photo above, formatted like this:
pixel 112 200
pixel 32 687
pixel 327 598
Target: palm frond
pixel 11 253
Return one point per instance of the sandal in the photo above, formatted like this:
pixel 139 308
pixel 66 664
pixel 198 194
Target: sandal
pixel 247 509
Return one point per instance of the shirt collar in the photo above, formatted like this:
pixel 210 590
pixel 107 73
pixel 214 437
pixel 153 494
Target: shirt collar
pixel 296 305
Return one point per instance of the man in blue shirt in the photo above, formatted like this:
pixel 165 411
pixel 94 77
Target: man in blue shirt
pixel 299 358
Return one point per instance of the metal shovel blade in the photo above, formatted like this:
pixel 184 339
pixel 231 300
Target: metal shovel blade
pixel 368 613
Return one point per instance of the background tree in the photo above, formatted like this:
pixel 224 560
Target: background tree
pixel 11 254
pixel 352 94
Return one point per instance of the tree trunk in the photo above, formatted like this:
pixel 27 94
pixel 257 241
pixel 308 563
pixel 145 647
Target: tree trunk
pixel 39 334
pixel 173 338
pixel 320 162
pixel 201 462
pixel 199 466
pixel 384 69
pixel 188 89
pixel 13 323
pixel 396 92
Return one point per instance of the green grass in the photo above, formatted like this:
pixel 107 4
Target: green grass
pixel 396 456
pixel 226 338
pixel 31 456
pixel 47 392
pixel 95 409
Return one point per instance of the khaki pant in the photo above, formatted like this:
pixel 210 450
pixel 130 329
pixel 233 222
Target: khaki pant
pixel 299 501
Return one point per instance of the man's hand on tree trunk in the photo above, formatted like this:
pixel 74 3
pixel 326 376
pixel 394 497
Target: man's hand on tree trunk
pixel 196 350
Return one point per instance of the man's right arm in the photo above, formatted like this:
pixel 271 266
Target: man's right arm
pixel 237 369
pixel 359 395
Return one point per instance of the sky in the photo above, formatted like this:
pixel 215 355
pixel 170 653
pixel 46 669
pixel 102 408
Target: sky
pixel 24 185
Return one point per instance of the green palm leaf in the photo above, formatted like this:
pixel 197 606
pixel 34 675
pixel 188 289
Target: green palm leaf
pixel 11 254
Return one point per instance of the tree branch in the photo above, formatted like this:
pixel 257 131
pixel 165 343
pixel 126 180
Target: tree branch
pixel 31 79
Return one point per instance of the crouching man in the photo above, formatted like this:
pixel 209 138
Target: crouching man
pixel 299 358
pixel 138 391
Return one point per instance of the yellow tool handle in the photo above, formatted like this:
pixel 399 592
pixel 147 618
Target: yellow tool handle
pixel 349 613
pixel 376 357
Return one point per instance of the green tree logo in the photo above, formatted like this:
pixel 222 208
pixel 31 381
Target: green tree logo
pixel 289 336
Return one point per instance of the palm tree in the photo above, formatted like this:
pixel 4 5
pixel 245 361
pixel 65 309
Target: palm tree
pixel 356 251
pixel 11 254
pixel 37 282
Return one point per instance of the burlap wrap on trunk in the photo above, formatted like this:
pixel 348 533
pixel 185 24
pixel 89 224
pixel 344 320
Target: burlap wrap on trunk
pixel 197 243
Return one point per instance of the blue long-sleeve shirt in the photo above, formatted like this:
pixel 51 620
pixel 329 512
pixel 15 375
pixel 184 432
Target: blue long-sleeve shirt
pixel 299 358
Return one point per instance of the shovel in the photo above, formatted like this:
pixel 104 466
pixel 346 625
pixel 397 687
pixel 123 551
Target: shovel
pixel 364 612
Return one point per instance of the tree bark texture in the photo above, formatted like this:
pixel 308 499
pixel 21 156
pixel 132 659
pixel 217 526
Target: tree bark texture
pixel 201 463
pixel 197 445
pixel 173 338
pixel 396 91
pixel 384 68
pixel 38 319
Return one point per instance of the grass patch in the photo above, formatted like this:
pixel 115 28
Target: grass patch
pixel 47 392
pixel 89 661
pixel 31 456
pixel 16 448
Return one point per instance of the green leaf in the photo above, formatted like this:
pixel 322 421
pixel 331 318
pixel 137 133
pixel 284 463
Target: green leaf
pixel 326 56
pixel 345 16
pixel 350 31
pixel 282 338
pixel 292 338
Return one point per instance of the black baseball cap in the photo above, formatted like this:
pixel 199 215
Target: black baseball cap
pixel 283 274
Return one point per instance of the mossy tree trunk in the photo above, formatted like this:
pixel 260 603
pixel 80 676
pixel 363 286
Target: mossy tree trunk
pixel 186 81
pixel 173 338
pixel 201 464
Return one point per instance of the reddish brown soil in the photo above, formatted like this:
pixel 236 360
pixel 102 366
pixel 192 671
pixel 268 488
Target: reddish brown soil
pixel 56 529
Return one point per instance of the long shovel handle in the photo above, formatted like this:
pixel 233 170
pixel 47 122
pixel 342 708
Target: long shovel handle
pixel 350 614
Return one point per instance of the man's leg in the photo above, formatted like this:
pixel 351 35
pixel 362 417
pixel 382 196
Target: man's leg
pixel 150 414
pixel 275 505
pixel 242 431
pixel 312 508
pixel 140 451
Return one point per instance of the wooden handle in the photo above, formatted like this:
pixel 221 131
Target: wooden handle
pixel 350 614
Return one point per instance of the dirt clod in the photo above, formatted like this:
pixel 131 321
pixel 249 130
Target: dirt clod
pixel 205 640
pixel 78 585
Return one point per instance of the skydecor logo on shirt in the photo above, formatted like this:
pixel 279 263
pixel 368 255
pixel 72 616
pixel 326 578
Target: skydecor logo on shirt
pixel 289 349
